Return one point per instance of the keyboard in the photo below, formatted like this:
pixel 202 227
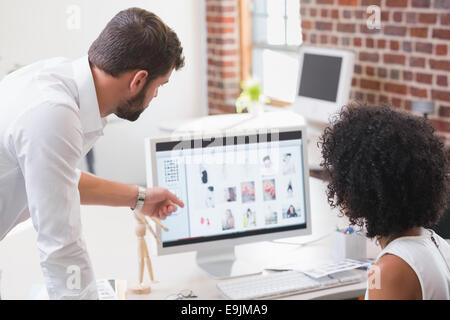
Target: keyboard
pixel 276 284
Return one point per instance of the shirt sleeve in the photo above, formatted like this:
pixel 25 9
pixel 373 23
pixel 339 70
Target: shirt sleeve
pixel 48 145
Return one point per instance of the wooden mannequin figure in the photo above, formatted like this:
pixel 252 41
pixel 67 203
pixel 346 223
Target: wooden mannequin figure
pixel 143 256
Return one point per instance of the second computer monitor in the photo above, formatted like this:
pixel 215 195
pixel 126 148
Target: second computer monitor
pixel 324 82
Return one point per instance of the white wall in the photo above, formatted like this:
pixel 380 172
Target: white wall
pixel 39 29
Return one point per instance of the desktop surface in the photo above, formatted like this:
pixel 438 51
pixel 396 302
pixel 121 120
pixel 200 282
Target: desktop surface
pixel 112 245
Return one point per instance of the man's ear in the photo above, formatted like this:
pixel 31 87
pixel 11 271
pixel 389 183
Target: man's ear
pixel 138 81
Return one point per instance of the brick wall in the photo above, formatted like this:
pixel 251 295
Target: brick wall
pixel 407 59
pixel 223 43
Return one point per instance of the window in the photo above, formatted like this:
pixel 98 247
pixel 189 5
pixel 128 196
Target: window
pixel 276 37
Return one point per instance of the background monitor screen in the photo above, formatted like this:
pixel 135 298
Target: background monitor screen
pixel 320 77
pixel 233 187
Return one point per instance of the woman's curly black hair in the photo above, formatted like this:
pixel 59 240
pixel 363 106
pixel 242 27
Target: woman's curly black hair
pixel 387 169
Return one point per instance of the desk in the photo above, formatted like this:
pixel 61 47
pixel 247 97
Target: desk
pixel 112 245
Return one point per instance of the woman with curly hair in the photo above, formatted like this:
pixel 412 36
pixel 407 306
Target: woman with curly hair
pixel 388 172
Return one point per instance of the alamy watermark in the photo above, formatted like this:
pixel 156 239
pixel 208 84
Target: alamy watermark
pixel 374 17
pixel 73 281
pixel 73 20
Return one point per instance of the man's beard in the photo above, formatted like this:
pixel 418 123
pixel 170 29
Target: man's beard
pixel 132 108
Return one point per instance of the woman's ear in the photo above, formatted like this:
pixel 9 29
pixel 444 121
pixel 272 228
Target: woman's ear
pixel 138 81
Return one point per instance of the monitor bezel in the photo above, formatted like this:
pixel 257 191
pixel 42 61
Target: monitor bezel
pixel 317 110
pixel 152 180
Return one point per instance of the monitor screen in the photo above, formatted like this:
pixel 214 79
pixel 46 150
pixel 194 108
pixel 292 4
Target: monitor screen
pixel 319 78
pixel 234 186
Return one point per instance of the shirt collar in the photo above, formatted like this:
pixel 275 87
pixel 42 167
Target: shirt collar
pixel 87 97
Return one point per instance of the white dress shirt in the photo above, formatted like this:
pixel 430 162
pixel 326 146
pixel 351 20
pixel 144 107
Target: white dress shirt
pixel 49 120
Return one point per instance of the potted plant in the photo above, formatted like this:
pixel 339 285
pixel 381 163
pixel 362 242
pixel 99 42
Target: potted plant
pixel 251 98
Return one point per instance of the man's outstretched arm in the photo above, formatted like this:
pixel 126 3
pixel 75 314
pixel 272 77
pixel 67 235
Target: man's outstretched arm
pixel 159 202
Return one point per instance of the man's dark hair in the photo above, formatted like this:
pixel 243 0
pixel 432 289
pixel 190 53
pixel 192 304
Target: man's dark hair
pixel 386 169
pixel 137 39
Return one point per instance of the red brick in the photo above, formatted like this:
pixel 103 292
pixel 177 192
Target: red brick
pixel 424 47
pixel 306 25
pixel 220 19
pixel 441 80
pixel 445 19
pixel 370 71
pixel 323 39
pixel 369 56
pixel 323 26
pixel 428 18
pixel 394 74
pixel 325 1
pixel 441 125
pixel 440 64
pixel 441 34
pixel 360 14
pixel 441 4
pixel 370 43
pixel 395 30
pixel 357 42
pixel 418 32
pixel 335 14
pixel 440 95
pixel 366 3
pixel 382 72
pixel 396 102
pixel 324 13
pixel 418 92
pixel 383 99
pixel 334 40
pixel 394 59
pixel 397 16
pixel 353 3
pixel 394 45
pixel 228 74
pixel 408 105
pixel 397 3
pixel 407 46
pixel 444 111
pixel 370 84
pixel 407 75
pixel 381 43
pixel 347 14
pixel 417 62
pixel 395 88
pixel 420 3
pixel 346 27
pixel 411 17
pixel 424 78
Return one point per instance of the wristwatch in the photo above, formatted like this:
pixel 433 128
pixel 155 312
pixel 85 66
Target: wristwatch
pixel 140 199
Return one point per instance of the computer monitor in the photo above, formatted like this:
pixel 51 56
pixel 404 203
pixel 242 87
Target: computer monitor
pixel 323 83
pixel 237 188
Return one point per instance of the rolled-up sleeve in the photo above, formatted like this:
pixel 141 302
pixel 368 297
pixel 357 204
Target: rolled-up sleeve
pixel 48 144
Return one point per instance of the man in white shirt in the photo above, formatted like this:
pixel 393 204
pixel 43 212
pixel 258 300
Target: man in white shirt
pixel 51 114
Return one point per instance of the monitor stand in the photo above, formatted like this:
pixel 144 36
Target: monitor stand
pixel 221 263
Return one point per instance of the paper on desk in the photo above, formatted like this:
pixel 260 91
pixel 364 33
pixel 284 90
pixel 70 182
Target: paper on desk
pixel 335 267
pixel 324 269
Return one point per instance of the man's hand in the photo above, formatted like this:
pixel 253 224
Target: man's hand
pixel 160 203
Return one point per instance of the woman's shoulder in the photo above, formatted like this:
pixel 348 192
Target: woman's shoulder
pixel 397 280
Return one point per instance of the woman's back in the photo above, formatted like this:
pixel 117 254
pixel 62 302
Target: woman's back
pixel 428 258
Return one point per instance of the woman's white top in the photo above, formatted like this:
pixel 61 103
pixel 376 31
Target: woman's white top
pixel 431 263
